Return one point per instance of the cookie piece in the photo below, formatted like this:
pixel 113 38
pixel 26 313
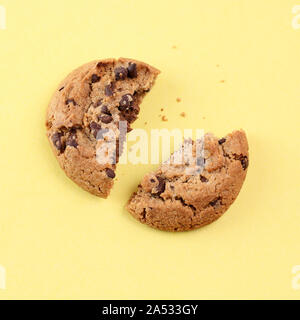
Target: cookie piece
pixel 188 195
pixel 88 106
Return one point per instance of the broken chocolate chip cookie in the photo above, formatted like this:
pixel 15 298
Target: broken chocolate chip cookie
pixel 190 194
pixel 89 104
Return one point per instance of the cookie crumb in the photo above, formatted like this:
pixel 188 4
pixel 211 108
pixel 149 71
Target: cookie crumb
pixel 145 123
pixel 222 81
pixel 162 109
pixel 217 65
pixel 164 118
pixel 178 99
pixel 183 114
pixel 174 47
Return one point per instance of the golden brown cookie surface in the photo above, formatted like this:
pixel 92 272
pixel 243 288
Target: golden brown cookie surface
pixel 182 197
pixel 93 99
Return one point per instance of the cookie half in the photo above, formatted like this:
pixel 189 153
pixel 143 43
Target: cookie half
pixel 89 103
pixel 196 192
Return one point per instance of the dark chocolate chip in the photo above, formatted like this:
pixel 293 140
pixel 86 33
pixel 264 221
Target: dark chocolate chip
pixel 110 173
pixel 98 103
pixel 121 73
pixel 95 127
pixel 95 78
pixel 245 162
pixel 214 202
pixel 203 179
pixel 144 213
pixel 56 139
pixel 161 185
pixel 152 180
pixel 68 101
pixel 106 118
pixel 109 90
pixel 125 101
pixel 101 64
pixel 105 110
pixel 62 88
pixel 130 114
pixel 132 72
pixel 243 159
pixel 71 140
pixel 221 141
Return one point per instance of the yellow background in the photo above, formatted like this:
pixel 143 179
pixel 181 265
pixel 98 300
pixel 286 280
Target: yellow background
pixel 58 241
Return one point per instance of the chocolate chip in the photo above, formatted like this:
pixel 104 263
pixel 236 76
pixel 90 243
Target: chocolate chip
pixel 105 110
pixel 161 185
pixel 221 141
pixel 214 202
pixel 152 180
pixel 95 78
pixel 132 72
pixel 109 90
pixel 130 114
pixel 62 88
pixel 121 73
pixel 243 159
pixel 125 102
pixel 71 140
pixel 101 64
pixel 110 173
pixel 106 118
pixel 56 139
pixel 98 103
pixel 68 101
pixel 95 127
pixel 203 179
pixel 245 162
